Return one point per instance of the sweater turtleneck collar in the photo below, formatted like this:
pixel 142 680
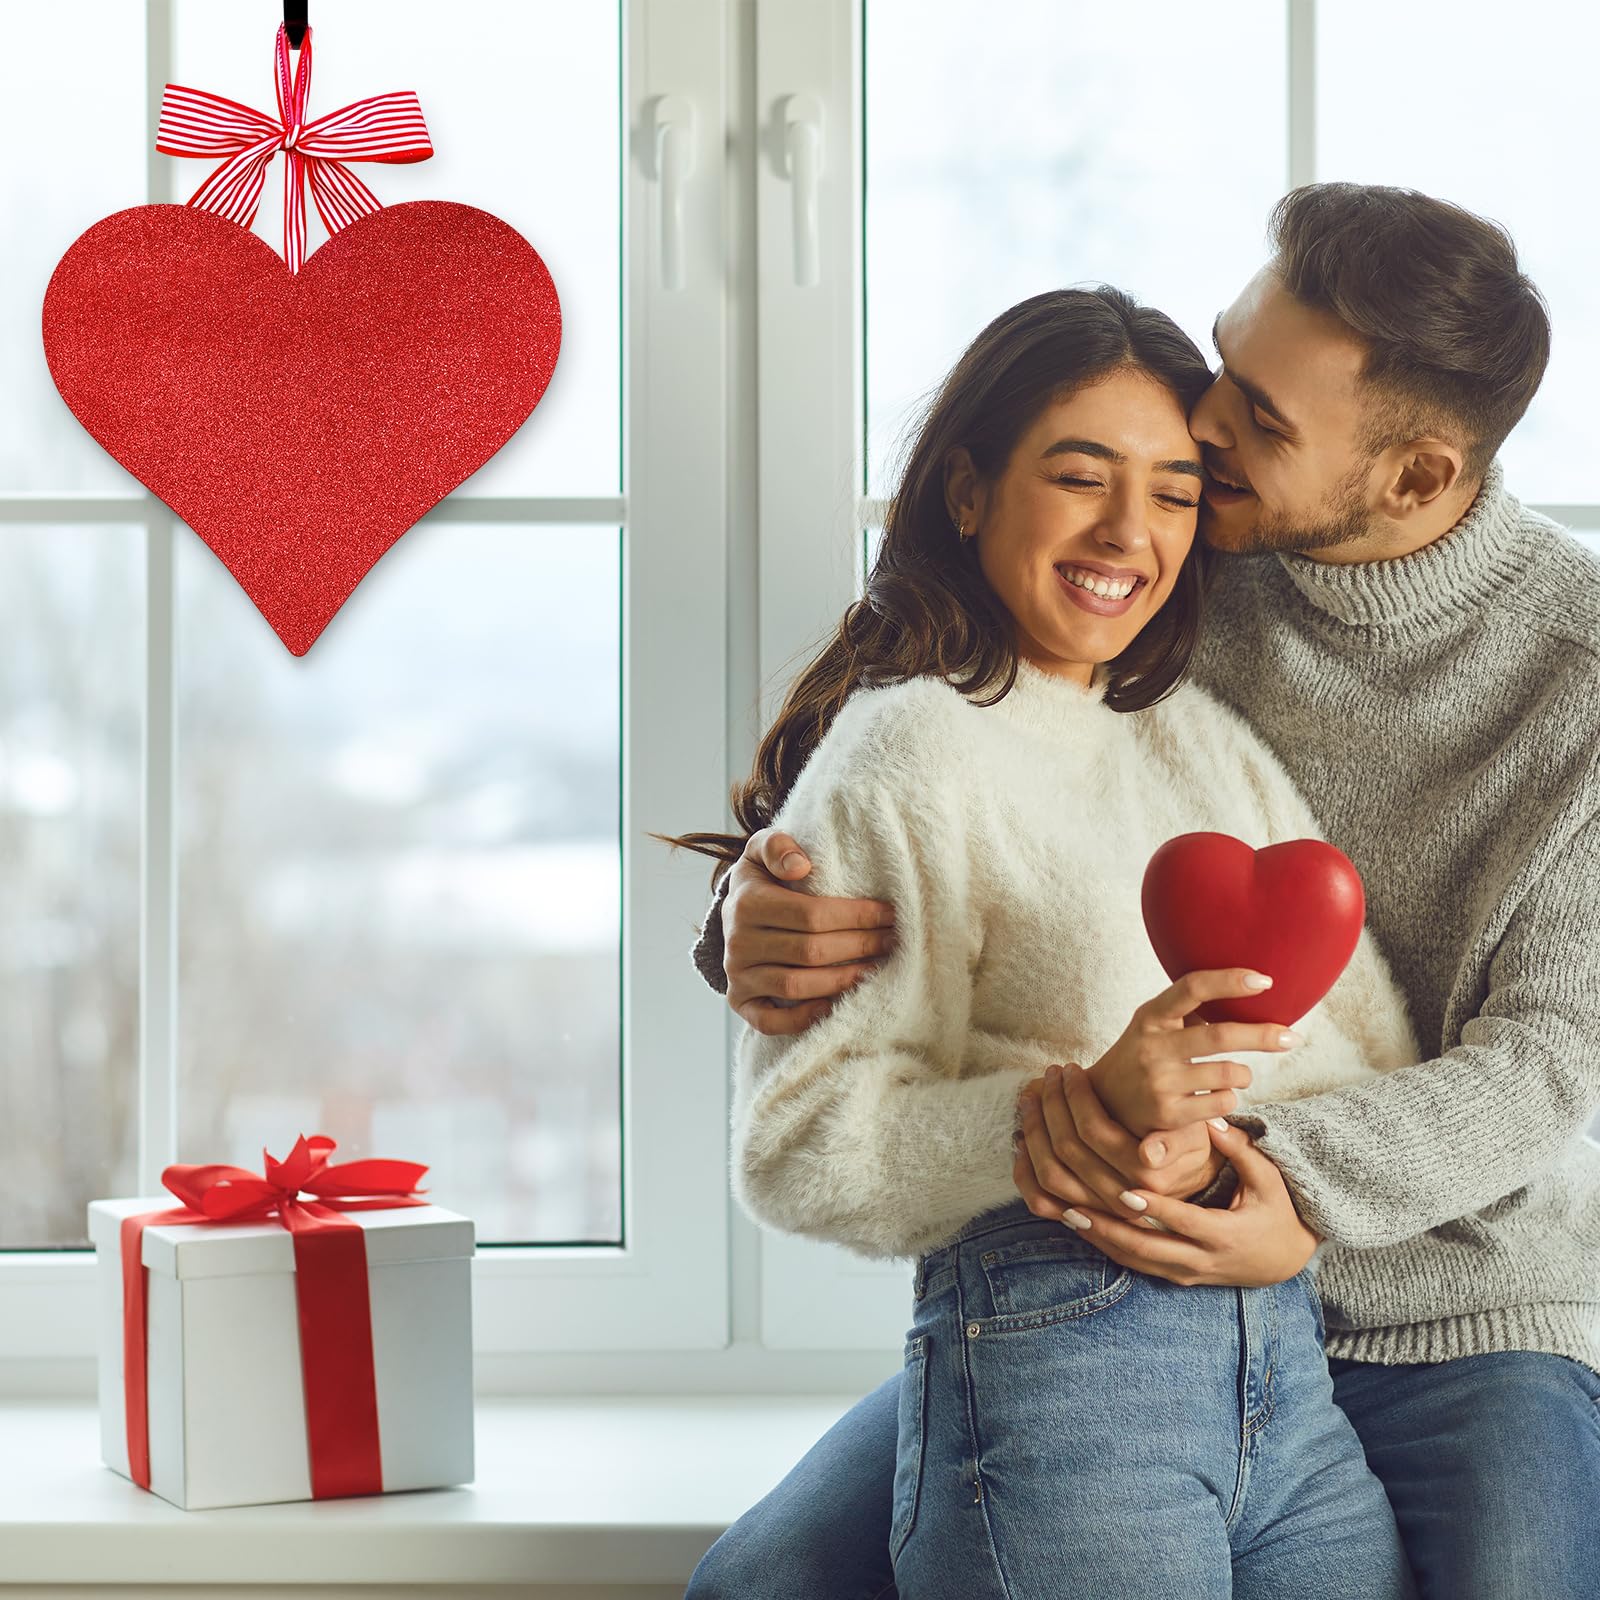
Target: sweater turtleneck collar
pixel 1049 703
pixel 1434 589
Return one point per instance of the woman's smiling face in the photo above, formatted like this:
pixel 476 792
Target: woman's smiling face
pixel 1100 492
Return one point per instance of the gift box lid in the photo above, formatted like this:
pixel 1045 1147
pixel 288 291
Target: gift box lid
pixel 201 1250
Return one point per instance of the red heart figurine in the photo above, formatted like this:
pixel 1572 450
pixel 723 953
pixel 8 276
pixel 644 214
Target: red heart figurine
pixel 301 423
pixel 1293 911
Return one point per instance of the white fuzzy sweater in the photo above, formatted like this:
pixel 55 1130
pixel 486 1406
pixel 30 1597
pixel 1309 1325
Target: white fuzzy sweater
pixel 1012 840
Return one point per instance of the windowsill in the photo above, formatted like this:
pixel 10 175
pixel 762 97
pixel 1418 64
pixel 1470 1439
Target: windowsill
pixel 590 1490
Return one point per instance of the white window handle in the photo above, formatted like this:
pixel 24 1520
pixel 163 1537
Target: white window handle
pixel 802 165
pixel 673 147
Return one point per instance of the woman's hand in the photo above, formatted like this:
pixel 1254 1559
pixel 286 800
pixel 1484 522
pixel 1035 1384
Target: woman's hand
pixel 1149 1078
pixel 1258 1239
pixel 1177 1162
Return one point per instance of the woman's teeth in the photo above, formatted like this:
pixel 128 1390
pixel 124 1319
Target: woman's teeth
pixel 1106 588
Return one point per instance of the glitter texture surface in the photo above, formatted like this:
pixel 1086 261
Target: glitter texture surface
pixel 300 424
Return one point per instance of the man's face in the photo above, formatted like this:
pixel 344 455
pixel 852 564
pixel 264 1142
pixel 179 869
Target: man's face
pixel 1283 422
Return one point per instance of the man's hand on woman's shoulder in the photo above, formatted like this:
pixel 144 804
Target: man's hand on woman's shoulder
pixel 789 953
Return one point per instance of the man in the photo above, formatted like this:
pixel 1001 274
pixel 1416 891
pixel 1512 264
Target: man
pixel 1423 655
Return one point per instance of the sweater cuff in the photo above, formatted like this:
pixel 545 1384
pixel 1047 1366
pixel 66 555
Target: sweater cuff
pixel 1219 1192
pixel 707 952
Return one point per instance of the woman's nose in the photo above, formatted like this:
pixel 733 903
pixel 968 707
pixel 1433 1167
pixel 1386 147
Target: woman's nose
pixel 1125 524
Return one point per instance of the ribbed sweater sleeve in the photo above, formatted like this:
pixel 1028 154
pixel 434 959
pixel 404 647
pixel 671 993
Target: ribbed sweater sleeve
pixel 706 952
pixel 886 1125
pixel 1378 1162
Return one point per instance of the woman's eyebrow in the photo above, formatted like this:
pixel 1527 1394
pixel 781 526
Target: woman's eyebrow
pixel 1093 447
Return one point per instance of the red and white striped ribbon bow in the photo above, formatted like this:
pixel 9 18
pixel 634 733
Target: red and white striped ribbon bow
pixel 386 127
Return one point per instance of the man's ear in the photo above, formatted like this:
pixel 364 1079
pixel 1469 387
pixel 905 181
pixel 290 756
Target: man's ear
pixel 1423 470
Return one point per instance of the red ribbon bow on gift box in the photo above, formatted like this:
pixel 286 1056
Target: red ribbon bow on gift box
pixel 384 127
pixel 335 1310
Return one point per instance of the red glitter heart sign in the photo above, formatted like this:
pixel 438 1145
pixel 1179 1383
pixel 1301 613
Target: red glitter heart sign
pixel 1293 911
pixel 301 422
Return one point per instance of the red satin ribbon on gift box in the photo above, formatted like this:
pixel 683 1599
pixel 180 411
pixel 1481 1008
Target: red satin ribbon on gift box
pixel 331 1295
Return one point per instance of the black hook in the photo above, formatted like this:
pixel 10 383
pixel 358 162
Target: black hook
pixel 294 19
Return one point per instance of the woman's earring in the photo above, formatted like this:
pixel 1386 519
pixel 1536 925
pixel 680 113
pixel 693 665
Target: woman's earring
pixel 961 528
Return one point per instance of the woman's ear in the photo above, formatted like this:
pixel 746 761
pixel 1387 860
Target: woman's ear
pixel 961 489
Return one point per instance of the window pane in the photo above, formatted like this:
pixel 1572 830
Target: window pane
pixel 67 171
pixel 399 892
pixel 1012 149
pixel 1456 133
pixel 71 702
pixel 522 102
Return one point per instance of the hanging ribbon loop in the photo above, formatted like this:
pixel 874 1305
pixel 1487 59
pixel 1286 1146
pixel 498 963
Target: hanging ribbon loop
pixel 385 127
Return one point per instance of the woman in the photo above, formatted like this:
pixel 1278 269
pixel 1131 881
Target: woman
pixel 996 741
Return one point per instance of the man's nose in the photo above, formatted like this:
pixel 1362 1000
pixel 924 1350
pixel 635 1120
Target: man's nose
pixel 1208 421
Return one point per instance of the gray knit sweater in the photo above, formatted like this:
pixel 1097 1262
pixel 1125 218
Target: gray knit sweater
pixel 1441 715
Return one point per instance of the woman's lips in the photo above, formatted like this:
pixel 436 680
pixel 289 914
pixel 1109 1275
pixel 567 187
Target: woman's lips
pixel 1093 603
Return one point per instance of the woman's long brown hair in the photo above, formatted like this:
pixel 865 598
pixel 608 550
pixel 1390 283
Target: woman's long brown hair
pixel 928 609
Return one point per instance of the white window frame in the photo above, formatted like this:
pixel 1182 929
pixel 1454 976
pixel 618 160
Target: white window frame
pixel 666 1290
pixel 744 510
pixel 816 1296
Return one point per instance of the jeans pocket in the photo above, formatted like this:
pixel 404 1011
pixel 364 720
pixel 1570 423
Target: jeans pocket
pixel 911 1443
pixel 1049 1277
pixel 1588 1378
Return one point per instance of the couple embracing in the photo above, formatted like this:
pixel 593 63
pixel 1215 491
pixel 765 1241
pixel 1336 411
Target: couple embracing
pixel 1219 1309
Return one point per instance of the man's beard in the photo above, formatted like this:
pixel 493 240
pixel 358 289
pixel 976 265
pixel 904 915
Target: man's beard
pixel 1341 519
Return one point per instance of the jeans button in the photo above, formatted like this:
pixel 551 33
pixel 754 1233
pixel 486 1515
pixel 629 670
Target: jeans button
pixel 973 1330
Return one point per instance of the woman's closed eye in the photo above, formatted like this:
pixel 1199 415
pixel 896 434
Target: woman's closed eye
pixel 1174 500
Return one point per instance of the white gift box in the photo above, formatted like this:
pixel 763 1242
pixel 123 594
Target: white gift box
pixel 225 1393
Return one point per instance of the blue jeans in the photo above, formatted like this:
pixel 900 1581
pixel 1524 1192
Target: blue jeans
pixel 1491 1463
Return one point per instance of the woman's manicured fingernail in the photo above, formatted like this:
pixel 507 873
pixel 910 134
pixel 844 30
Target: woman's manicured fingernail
pixel 1218 1122
pixel 1074 1219
pixel 1288 1037
pixel 1158 1153
pixel 793 861
pixel 1135 1201
pixel 1258 981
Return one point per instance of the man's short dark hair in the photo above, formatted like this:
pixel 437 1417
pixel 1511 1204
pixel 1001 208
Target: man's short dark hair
pixel 1457 334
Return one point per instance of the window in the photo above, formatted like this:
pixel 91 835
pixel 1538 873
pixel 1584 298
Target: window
pixel 401 889
pixel 399 893
pixel 1016 150
pixel 71 709
pixel 1007 149
pixel 1456 133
